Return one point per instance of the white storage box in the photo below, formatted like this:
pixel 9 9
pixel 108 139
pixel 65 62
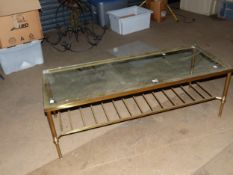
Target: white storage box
pixel 21 56
pixel 129 20
pixel 204 7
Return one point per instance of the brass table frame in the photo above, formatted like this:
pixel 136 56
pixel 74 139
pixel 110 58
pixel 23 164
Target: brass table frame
pixel 192 82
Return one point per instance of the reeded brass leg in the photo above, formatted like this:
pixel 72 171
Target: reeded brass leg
pixel 54 134
pixel 224 95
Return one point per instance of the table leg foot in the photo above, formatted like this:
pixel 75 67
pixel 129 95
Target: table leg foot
pixel 54 134
pixel 221 108
pixel 225 91
pixel 56 142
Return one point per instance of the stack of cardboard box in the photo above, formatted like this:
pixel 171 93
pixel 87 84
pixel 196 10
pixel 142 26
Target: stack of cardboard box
pixel 20 25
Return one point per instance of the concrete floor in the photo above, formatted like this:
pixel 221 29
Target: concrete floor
pixel 192 140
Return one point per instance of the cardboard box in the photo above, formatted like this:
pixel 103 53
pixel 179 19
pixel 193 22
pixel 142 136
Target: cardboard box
pixel 159 9
pixel 19 21
pixel 20 28
pixel 9 7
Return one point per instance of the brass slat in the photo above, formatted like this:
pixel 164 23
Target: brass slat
pixel 136 117
pixel 81 115
pixel 93 113
pixel 127 107
pixel 60 121
pixel 105 113
pixel 178 95
pixel 114 105
pixel 196 91
pixel 209 94
pixel 143 95
pixel 70 120
pixel 190 96
pixel 54 114
pixel 157 100
pixel 139 107
pixel 169 99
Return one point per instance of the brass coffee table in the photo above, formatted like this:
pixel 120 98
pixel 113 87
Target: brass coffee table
pixel 153 83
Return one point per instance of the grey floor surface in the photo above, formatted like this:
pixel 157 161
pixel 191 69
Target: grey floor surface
pixel 192 140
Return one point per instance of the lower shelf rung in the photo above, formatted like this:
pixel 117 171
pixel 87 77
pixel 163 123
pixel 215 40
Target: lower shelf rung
pixel 98 115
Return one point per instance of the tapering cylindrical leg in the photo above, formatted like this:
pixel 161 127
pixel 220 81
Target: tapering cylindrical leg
pixel 54 134
pixel 224 95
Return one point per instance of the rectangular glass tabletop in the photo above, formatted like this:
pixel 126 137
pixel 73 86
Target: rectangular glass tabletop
pixel 121 75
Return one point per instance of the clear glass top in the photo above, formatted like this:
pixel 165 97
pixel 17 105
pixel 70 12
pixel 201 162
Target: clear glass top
pixel 84 82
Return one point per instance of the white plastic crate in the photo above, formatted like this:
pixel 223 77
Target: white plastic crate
pixel 129 20
pixel 204 7
pixel 21 57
